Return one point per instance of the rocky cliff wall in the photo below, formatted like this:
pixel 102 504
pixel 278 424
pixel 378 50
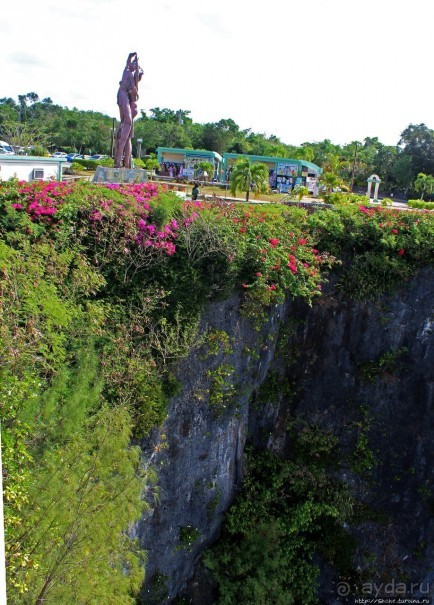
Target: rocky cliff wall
pixel 363 371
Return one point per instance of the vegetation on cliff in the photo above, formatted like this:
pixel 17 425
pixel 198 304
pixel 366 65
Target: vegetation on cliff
pixel 102 289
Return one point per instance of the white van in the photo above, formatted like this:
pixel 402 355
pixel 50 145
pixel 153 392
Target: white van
pixel 6 149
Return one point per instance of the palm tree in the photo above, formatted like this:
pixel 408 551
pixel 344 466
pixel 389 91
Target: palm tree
pixel 300 192
pixel 424 183
pixel 245 174
pixel 332 181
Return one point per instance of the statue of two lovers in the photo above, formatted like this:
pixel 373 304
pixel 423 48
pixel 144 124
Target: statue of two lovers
pixel 127 100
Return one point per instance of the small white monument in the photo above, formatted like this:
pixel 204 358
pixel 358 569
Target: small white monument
pixel 374 178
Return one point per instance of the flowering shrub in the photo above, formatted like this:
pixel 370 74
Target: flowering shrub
pixel 379 246
pixel 113 220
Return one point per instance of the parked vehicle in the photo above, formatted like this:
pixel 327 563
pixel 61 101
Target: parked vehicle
pixel 73 156
pixel 6 149
pixel 98 156
pixel 59 154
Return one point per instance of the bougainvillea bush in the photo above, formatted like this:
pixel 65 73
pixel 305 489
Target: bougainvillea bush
pixel 102 288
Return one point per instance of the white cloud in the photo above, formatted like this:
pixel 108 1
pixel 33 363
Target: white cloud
pixel 23 58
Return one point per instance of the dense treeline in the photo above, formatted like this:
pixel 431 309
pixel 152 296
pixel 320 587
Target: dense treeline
pixel 43 124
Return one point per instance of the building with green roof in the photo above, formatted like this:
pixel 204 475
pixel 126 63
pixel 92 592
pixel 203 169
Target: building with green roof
pixel 182 163
pixel 284 173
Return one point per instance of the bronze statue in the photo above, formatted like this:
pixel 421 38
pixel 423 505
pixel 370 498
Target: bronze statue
pixel 127 101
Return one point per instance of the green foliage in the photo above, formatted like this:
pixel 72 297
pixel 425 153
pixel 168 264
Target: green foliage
pixel 386 201
pixel 341 198
pixel 301 192
pixel 165 208
pixel 188 535
pixel 274 387
pixel 218 341
pixel 222 390
pixel 206 167
pixel 76 168
pixel 371 275
pixel 17 395
pixel 421 204
pixel 363 459
pixel 387 365
pixel 85 495
pixel 424 183
pixel 332 181
pixel 286 511
pixel 379 247
pixel 64 532
pixel 246 174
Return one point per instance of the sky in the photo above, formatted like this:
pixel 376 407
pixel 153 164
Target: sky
pixel 304 70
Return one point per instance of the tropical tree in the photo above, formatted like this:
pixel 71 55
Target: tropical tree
pixel 300 192
pixel 305 152
pixel 402 172
pixel 207 167
pixel 417 141
pixel 23 134
pixel 246 174
pixel 219 136
pixel 332 163
pixel 332 181
pixel 424 183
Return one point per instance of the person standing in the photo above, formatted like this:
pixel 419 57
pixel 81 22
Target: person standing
pixel 195 192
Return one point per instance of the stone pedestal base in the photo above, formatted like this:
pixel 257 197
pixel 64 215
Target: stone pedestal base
pixel 103 174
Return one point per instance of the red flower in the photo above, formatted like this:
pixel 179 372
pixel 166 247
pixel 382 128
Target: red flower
pixel 274 242
pixel 244 285
pixel 302 241
pixel 258 274
pixel 401 252
pixel 395 231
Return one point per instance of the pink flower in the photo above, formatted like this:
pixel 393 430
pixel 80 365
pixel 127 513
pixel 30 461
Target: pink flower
pixel 170 248
pixel 274 242
pixel 96 216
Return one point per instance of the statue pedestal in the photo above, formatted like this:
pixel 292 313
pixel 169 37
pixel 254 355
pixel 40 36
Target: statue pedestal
pixel 103 174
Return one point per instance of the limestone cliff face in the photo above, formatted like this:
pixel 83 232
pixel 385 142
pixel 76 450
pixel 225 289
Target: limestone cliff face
pixel 198 452
pixel 364 371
